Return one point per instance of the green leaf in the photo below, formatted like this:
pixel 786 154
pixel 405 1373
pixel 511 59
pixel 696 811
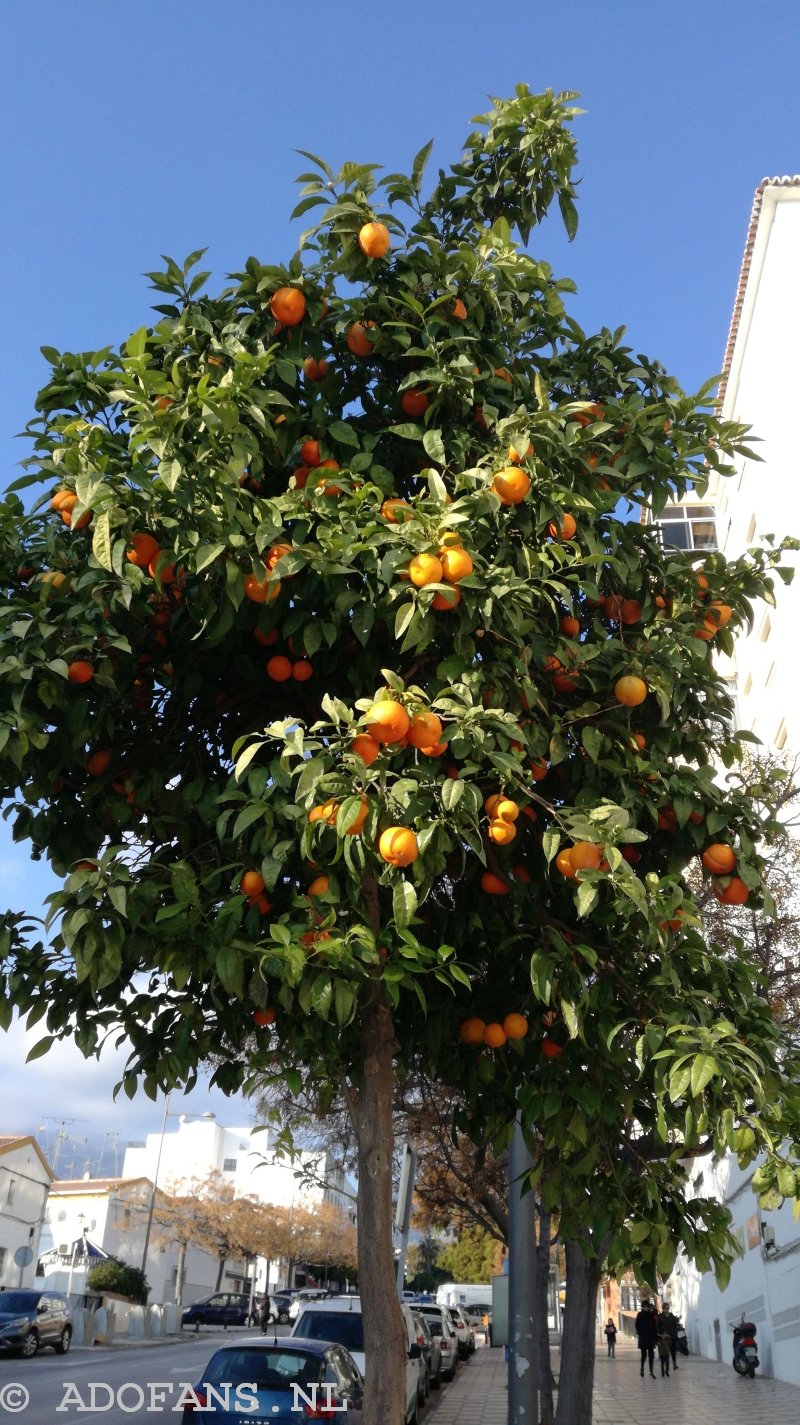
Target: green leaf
pixel 119 898
pixel 362 620
pixel 343 433
pixel 322 995
pixel 254 812
pixel 592 740
pixel 551 840
pixel 229 968
pixel 101 540
pixel 407 431
pixel 41 1048
pixel 404 903
pixel 452 792
pixel 570 1018
pixel 640 1231
pixel 348 813
pixel 704 1067
pixel 434 446
pixel 586 897
pixel 403 618
pixel 207 553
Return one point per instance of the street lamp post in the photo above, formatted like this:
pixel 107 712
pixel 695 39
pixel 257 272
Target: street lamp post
pixel 151 1209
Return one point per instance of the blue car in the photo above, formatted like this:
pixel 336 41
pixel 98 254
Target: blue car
pixel 282 1381
pixel 224 1308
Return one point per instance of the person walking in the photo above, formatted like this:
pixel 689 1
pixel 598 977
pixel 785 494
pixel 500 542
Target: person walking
pixel 264 1314
pixel 647 1332
pixel 611 1337
pixel 669 1323
pixel 664 1349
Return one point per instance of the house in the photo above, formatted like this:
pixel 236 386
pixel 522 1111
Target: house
pixel 92 1218
pixel 25 1178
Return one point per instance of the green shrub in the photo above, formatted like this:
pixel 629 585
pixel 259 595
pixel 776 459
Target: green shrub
pixel 113 1275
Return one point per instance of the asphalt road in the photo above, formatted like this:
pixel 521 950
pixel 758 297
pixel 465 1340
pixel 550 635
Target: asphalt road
pixel 157 1371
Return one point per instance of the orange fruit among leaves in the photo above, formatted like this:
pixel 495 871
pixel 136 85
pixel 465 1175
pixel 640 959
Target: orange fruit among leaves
pixel 267 639
pixel 263 1017
pixel 98 763
pixel 456 564
pixel 570 627
pixel 425 569
pixel 143 551
pixel 357 339
pixel 424 730
pixel 511 485
pixel 374 239
pixel 449 600
pixel 495 1036
pixel 327 812
pixel 80 671
pixel 550 1048
pixel 288 305
pixel 565 530
pixel 279 668
pixel 310 453
pixel 630 691
pixel 585 856
pixel 493 885
pixel 515 1026
pixel 564 864
pixel 735 893
pixel 516 457
pixel 314 370
pixel 302 670
pixel 396 511
pixel 319 886
pixel 261 592
pixel 398 846
pixel 251 884
pixel 719 859
pixel 471 1031
pixel 387 721
pixel 501 832
pixel 415 402
pixel 366 747
pixel 459 310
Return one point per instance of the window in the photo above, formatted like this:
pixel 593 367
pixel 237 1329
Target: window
pixel 687 527
pixel 229 1165
pixel 765 629
pixel 780 735
pixel 751 529
pixel 11 1191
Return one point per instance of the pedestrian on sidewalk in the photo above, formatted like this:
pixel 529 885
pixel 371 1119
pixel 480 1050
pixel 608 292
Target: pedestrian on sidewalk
pixel 647 1332
pixel 264 1314
pixel 611 1337
pixel 668 1322
pixel 664 1351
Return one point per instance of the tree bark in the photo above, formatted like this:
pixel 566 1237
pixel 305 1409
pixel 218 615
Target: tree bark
pixel 385 1343
pixel 576 1376
pixel 179 1276
pixel 546 1381
pixel 222 1262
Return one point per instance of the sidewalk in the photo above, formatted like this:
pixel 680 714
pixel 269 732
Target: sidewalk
pixel 702 1393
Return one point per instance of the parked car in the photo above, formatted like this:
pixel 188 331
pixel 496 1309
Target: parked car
pixel 281 1302
pixel 431 1351
pixel 339 1319
pixel 444 1332
pixel 477 1312
pixel 224 1308
pixel 31 1319
pixel 265 1374
pixel 465 1332
pixel 307 1293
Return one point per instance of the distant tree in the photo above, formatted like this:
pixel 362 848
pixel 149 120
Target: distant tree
pixel 476 1256
pixel 116 1276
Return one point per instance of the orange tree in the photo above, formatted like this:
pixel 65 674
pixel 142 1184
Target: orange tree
pixel 366 735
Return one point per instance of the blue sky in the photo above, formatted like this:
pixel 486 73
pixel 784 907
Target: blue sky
pixel 132 129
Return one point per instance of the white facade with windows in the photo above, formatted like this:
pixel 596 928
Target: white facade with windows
pixel 25 1179
pixel 761 386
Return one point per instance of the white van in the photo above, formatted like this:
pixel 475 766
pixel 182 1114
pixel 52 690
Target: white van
pixel 339 1319
pixel 465 1294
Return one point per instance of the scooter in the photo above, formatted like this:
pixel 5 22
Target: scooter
pixel 745 1355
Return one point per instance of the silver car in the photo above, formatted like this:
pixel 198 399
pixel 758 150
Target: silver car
pixel 465 1332
pixel 444 1334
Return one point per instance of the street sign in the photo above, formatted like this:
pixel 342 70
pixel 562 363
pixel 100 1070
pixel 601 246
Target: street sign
pixel 23 1256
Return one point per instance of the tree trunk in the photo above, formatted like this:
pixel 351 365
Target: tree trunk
pixel 384 1331
pixel 576 1376
pixel 542 1300
pixel 222 1262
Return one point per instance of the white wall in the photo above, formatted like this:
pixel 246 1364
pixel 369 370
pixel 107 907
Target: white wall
pixel 764 1284
pixel 24 1185
pixel 764 391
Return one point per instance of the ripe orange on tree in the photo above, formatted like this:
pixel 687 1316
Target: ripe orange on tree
pixel 357 339
pixel 471 1031
pixel 251 884
pixel 397 511
pixel 302 670
pixel 494 885
pixel 735 893
pixel 263 1017
pixel 719 858
pixel 516 457
pixel 570 627
pixel 268 638
pixel 449 600
pixel 288 306
pixel 459 310
pixel 261 591
pixel 424 730
pixel 98 763
pixel 80 671
pixel 143 551
pixel 456 565
pixel 515 1026
pixel 425 569
pixel 415 402
pixel 565 529
pixel 387 721
pixel 367 748
pixel 279 668
pixel 511 485
pixel 315 370
pixel 327 812
pixel 319 886
pixel 495 1036
pixel 502 833
pixel 630 690
pixel 374 239
pixel 398 846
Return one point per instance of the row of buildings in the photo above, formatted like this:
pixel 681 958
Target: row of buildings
pixel 53 1231
pixel 761 383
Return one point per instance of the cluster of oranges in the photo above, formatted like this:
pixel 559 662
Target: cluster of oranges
pixel 503 813
pixel 720 860
pixel 252 886
pixel 583 856
pixel 475 1031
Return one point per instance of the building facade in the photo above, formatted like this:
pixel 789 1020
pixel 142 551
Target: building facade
pixel 760 387
pixel 25 1179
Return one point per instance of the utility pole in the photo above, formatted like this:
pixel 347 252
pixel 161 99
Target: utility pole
pixel 155 1186
pixel 523 1359
pixel 402 1221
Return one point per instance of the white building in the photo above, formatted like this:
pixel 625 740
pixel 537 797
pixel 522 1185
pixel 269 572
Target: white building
pixel 108 1217
pixel 760 388
pixel 764 1285
pixel 25 1179
pixel 240 1157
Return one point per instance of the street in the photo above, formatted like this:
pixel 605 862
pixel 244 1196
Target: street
pixel 159 1372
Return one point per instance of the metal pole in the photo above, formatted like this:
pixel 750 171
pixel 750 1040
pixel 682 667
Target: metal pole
pixel 403 1219
pixel 153 1193
pixel 523 1362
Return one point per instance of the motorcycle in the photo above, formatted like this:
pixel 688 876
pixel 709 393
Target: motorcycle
pixel 745 1354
